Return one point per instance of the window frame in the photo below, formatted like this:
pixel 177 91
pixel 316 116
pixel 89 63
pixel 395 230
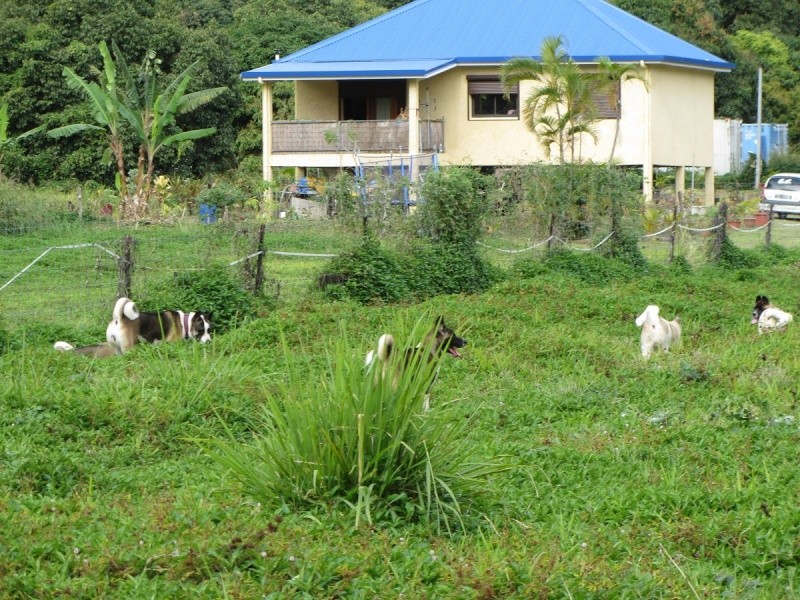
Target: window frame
pixel 490 87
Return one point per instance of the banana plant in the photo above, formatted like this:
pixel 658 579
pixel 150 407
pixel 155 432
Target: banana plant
pixel 121 99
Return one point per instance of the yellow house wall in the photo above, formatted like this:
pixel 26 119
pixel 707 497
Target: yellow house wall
pixel 682 116
pixel 504 141
pixel 678 103
pixel 316 100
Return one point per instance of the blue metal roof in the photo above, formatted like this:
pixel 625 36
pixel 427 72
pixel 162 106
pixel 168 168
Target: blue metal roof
pixel 427 36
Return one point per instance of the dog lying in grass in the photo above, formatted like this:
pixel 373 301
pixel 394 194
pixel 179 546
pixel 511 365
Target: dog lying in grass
pixel 440 340
pixel 129 327
pixel 657 332
pixel 769 318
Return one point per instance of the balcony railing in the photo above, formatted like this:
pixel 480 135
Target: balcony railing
pixel 350 136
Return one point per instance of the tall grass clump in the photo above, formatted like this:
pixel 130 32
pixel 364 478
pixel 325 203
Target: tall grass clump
pixel 358 436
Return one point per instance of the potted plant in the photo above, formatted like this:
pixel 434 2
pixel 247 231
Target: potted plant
pixel 761 218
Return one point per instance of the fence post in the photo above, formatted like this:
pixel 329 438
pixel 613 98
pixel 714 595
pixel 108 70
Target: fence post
pixel 125 268
pixel 719 238
pixel 258 283
pixel 80 203
pixel 673 233
pixel 768 237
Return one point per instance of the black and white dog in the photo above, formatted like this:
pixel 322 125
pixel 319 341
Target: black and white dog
pixel 440 340
pixel 129 327
pixel 769 318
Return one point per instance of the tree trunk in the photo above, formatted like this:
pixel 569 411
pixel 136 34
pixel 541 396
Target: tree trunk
pixel 125 202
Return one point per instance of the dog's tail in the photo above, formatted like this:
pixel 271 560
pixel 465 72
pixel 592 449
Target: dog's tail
pixel 63 346
pixel 385 346
pixel 127 308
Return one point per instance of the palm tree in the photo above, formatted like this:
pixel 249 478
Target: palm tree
pixel 5 141
pixel 610 76
pixel 560 111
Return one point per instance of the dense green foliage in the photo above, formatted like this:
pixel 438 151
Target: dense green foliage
pixel 442 258
pixel 212 290
pixel 37 40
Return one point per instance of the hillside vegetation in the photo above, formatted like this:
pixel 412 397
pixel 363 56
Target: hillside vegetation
pixel 37 40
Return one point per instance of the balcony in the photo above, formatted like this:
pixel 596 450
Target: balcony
pixel 334 137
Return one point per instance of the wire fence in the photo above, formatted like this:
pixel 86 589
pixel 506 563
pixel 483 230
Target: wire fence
pixel 71 275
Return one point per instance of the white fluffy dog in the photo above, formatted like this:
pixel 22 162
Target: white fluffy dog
pixel 657 332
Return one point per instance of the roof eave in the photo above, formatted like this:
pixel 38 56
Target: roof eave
pixel 310 72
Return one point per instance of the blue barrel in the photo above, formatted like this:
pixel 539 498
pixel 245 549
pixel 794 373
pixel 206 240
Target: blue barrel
pixel 208 213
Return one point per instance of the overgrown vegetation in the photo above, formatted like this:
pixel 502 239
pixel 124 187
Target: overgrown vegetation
pixel 107 494
pixel 356 436
pixel 212 290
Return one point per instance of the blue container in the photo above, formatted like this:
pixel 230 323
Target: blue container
pixel 208 213
pixel 774 140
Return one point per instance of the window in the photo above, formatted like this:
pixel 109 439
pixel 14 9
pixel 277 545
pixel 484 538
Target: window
pixel 607 103
pixel 487 98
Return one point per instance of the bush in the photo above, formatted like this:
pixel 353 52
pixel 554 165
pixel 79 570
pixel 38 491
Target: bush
pixel 372 273
pixel 435 269
pixel 368 273
pixel 213 290
pixel 221 195
pixel 455 205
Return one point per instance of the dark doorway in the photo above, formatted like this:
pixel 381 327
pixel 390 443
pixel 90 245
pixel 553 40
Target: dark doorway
pixel 371 100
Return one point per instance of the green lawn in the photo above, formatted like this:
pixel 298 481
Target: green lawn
pixel 673 478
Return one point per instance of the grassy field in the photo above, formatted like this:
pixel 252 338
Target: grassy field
pixel 673 478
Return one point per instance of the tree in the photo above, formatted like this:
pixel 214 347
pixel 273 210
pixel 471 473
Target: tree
pixel 5 140
pixel 121 99
pixel 610 76
pixel 561 109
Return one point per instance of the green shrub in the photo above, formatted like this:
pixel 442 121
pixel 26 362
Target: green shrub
pixel 358 438
pixel 368 273
pixel 733 257
pixel 220 195
pixel 371 273
pixel 454 206
pixel 435 269
pixel 213 290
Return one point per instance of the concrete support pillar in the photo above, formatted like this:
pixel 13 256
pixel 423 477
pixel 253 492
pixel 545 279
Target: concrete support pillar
pixel 266 129
pixel 680 182
pixel 647 180
pixel 413 116
pixel 709 187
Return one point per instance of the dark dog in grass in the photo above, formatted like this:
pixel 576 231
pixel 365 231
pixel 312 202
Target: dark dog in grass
pixel 129 327
pixel 440 340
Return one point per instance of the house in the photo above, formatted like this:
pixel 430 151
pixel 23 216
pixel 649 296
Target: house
pixel 435 65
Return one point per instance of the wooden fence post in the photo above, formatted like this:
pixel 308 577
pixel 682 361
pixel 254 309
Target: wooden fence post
pixel 768 237
pixel 125 268
pixel 258 283
pixel 80 203
pixel 719 237
pixel 673 235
